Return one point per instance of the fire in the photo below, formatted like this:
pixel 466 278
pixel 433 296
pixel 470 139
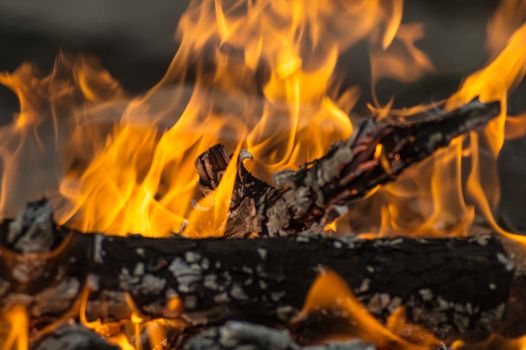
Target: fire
pixel 331 297
pixel 260 76
pixel 330 293
pixel 128 334
pixel 507 18
pixel 17 321
pixel 125 165
pixel 436 199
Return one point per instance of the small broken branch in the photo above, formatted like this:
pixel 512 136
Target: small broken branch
pixel 321 191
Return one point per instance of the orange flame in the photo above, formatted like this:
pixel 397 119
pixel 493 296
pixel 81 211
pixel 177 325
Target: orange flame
pixel 515 127
pixel 509 16
pixel 330 292
pixel 263 79
pixel 18 322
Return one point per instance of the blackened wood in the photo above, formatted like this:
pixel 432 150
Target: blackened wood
pixel 243 336
pixel 456 286
pixel 321 191
pixel 72 337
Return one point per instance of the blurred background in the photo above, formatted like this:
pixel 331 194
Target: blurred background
pixel 134 40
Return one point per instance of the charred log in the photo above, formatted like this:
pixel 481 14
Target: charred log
pixel 73 337
pixel 455 287
pixel 322 190
pixel 242 336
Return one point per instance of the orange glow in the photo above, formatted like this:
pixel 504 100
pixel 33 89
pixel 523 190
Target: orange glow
pixel 435 198
pixel 515 127
pixel 494 81
pixel 494 342
pixel 125 165
pixel 260 76
pixel 329 292
pixel 17 336
pixel 119 332
pixel 509 16
pixel 402 61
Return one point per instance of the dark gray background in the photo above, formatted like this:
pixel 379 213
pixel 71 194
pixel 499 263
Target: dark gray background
pixel 134 41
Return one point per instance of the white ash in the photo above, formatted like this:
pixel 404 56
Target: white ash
pixel 32 230
pixel 286 312
pixel 247 270
pixel 507 262
pixel 126 280
pixel 4 286
pixel 192 257
pixel 227 277
pixel 25 270
pixel 395 303
pixel 482 240
pixel 210 282
pixel 238 293
pixel 262 284
pixel 139 269
pixel 442 304
pixel 262 253
pixel 375 305
pixel 150 284
pixel 364 287
pixel 98 251
pixel 46 302
pixel 179 267
pixel 221 298
pixel 276 296
pixel 283 177
pixel 332 166
pixel 186 283
pixel 427 294
pixel 205 264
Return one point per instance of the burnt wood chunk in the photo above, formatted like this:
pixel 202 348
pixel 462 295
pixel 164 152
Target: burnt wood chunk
pixel 72 337
pixel 455 287
pixel 321 191
pixel 247 336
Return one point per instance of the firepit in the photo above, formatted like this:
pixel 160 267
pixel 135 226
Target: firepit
pixel 248 201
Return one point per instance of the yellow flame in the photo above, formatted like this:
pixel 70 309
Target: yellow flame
pixel 252 74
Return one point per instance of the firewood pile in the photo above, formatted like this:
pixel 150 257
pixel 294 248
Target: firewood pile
pixel 245 291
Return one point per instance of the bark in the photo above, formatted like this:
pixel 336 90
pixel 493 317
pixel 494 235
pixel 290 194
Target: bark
pixel 321 191
pixel 455 287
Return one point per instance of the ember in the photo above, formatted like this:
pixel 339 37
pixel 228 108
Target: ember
pixel 244 201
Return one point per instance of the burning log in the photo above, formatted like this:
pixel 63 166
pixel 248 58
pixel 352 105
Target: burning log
pixel 456 287
pixel 321 191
